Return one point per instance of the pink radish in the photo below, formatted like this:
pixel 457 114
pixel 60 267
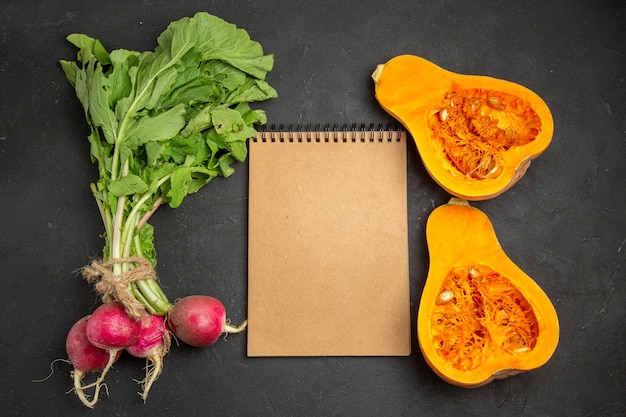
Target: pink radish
pixel 153 344
pixel 199 320
pixel 85 358
pixel 109 327
pixel 151 332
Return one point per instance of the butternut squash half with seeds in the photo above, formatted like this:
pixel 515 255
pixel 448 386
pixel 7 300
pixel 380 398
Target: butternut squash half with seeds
pixel 476 135
pixel 480 316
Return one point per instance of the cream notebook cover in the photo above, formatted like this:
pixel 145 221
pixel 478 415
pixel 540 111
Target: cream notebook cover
pixel 328 271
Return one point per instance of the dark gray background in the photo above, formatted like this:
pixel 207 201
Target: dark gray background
pixel 563 223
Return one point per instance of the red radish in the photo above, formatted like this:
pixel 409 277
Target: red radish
pixel 109 327
pixel 199 320
pixel 151 332
pixel 153 344
pixel 85 358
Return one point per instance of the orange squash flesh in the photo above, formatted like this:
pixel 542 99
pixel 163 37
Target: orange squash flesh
pixel 480 316
pixel 476 135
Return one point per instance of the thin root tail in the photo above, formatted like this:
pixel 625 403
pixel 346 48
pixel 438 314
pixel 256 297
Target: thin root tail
pixel 153 370
pixel 235 329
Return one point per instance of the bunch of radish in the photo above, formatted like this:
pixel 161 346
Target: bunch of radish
pixel 96 341
pixel 163 124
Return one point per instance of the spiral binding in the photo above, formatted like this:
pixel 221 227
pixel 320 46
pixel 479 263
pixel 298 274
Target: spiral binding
pixel 330 133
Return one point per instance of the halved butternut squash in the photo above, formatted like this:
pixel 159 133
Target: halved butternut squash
pixel 476 135
pixel 480 316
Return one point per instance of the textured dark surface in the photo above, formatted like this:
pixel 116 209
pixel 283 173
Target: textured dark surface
pixel 564 223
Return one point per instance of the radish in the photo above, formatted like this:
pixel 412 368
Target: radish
pixel 110 328
pixel 153 344
pixel 199 320
pixel 85 358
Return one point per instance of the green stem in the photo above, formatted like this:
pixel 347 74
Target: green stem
pixel 106 216
pixel 132 220
pixel 139 296
pixel 152 296
pixel 147 291
pixel 118 221
pixel 144 219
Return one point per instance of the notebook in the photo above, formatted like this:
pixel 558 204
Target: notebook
pixel 328 271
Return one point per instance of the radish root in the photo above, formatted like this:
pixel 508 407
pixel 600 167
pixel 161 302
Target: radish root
pixel 235 329
pixel 79 388
pixel 52 370
pixel 154 366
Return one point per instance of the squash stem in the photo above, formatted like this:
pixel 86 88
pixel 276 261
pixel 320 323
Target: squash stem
pixel 455 201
